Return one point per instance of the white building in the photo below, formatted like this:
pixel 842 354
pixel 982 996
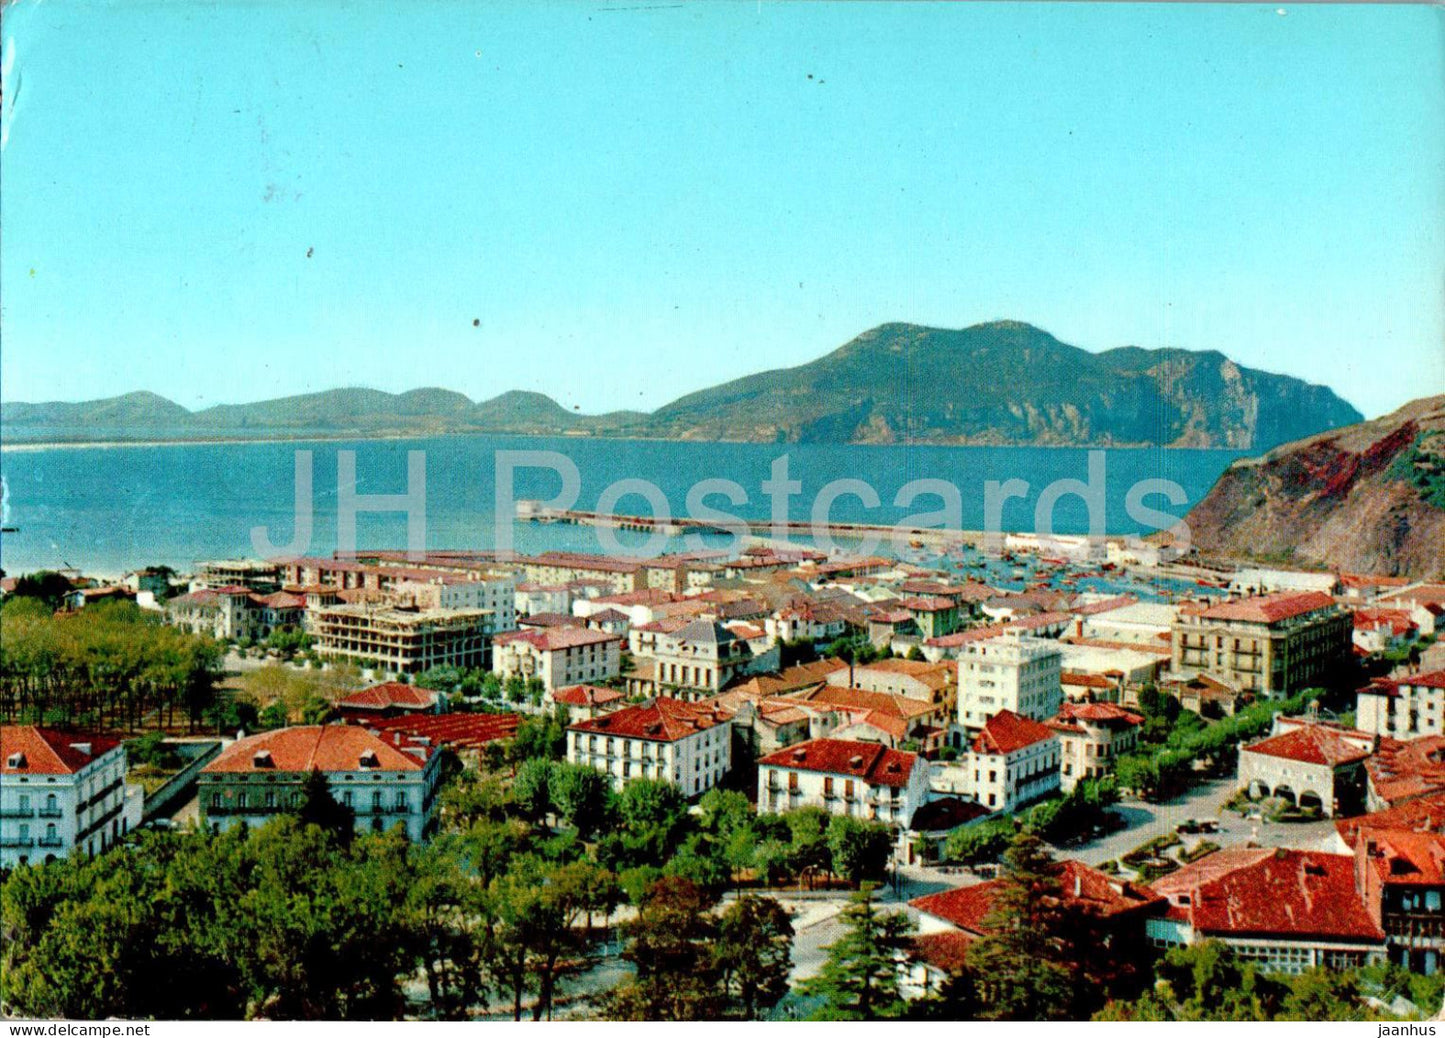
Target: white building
pixel 60 792
pixel 1014 760
pixel 687 744
pixel 496 593
pixel 558 656
pixel 861 779
pixel 1316 766
pixel 704 656
pixel 541 598
pixel 1406 708
pixel 387 779
pixel 1018 674
pixel 1091 738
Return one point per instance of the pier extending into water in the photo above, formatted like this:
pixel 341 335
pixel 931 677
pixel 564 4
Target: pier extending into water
pixel 674 526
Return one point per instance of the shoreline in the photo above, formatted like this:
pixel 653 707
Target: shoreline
pixel 28 447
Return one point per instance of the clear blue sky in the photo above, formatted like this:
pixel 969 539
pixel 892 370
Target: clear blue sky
pixel 231 201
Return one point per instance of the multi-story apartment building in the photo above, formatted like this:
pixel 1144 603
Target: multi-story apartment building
pixel 860 779
pixel 558 656
pixel 496 594
pixel 1405 708
pixel 688 744
pixel 1018 674
pixel 702 657
pixel 1091 737
pixel 1271 644
pixel 403 639
pixel 61 791
pixel 386 779
pixel 1014 760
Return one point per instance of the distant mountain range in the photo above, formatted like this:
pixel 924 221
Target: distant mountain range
pixel 1004 382
pixel 1369 498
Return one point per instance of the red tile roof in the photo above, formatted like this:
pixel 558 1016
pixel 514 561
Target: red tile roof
pixel 1406 858
pixel 1268 609
pixel 872 762
pixel 550 620
pixel 945 951
pixel 662 720
pixel 328 748
pixel 1278 893
pixel 551 639
pixel 1422 814
pixel 1310 745
pixel 1402 770
pixel 1099 713
pixel 928 604
pixel 460 731
pixel 1005 732
pixel 1079 884
pixel 387 695
pixel 586 695
pixel 49 751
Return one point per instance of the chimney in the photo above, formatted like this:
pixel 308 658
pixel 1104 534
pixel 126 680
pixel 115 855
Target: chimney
pixel 1078 885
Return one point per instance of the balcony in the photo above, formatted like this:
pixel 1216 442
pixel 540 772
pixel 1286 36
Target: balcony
pixel 17 812
pixel 51 812
pixel 16 841
pixel 50 841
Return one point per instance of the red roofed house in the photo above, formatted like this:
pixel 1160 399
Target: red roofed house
pixel 688 744
pixel 1316 766
pixel 1122 907
pixel 859 779
pixel 1401 874
pixel 1287 910
pixel 1404 709
pixel 1013 761
pixel 384 777
pixel 1091 737
pixel 1379 630
pixel 61 791
pixel 558 656
pixel 389 699
pixel 1275 644
pixel 587 701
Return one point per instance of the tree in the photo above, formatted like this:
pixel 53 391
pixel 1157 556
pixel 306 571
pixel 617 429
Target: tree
pixel 859 849
pixel 980 842
pixel 532 788
pixel 670 946
pixel 582 796
pixel 544 737
pixel 859 980
pixel 319 808
pixel 808 829
pixel 1017 965
pixel 754 954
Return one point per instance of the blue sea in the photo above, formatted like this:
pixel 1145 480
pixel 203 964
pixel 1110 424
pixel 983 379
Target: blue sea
pixel 111 509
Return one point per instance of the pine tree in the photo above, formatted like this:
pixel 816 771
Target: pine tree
pixel 1018 967
pixel 859 980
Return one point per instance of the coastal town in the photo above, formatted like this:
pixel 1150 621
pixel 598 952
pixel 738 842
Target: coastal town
pixel 796 751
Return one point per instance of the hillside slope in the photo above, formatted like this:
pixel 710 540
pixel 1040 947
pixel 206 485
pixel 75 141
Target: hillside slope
pixel 1366 498
pixel 1006 382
